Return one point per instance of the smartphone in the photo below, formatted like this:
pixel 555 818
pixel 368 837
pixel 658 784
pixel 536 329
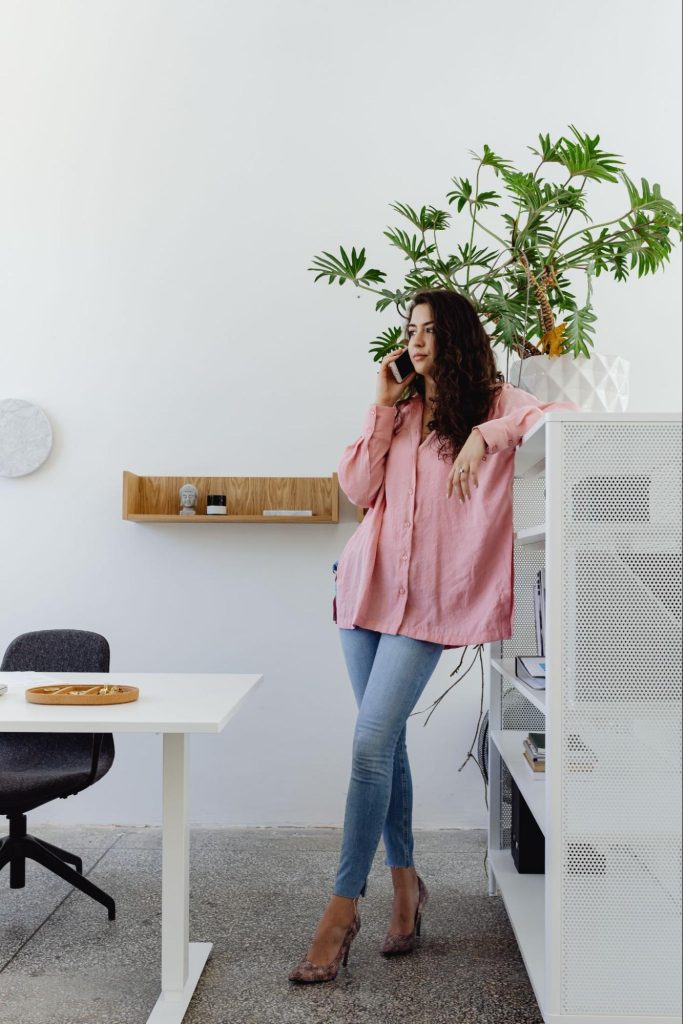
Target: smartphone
pixel 402 367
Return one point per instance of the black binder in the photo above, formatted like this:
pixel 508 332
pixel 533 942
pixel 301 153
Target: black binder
pixel 527 840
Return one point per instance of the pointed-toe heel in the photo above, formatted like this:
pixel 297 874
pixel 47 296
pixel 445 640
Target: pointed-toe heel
pixel 395 945
pixel 307 973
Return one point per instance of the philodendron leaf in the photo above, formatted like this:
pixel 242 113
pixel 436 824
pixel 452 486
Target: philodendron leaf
pixel 618 263
pixel 391 298
pixel 413 247
pixel 583 158
pixel 646 240
pixel 579 328
pixel 486 199
pixel 420 278
pixel 428 219
pixel 408 212
pixel 437 220
pixel 525 187
pixel 651 199
pixel 507 312
pixel 491 159
pixel 348 268
pixel 462 192
pixel 548 149
pixel 386 342
pixel 473 257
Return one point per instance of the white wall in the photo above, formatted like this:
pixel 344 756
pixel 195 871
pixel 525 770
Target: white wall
pixel 168 171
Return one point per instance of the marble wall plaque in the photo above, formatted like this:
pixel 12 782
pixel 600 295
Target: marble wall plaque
pixel 25 437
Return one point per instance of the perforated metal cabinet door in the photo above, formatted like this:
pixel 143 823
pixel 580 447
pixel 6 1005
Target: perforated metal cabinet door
pixel 620 826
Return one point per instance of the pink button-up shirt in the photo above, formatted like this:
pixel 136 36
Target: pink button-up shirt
pixel 421 564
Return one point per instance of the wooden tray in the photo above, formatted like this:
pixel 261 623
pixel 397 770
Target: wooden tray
pixel 81 693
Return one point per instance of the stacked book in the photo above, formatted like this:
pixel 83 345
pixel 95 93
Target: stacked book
pixel 531 669
pixel 3 689
pixel 534 752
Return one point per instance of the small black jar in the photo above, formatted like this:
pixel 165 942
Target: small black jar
pixel 216 505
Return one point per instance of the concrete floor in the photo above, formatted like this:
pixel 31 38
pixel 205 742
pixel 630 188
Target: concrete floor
pixel 257 895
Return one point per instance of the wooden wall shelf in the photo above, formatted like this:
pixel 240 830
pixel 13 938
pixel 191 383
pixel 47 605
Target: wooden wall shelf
pixel 154 499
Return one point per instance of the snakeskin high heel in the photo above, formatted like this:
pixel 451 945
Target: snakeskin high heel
pixel 306 972
pixel 394 944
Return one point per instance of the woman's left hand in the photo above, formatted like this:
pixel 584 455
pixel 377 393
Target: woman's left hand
pixel 468 458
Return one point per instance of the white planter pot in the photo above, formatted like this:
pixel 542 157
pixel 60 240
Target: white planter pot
pixel 596 384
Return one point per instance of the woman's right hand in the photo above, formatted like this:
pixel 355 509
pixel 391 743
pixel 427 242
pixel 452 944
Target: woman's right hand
pixel 388 389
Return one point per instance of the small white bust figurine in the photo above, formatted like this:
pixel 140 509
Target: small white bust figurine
pixel 188 500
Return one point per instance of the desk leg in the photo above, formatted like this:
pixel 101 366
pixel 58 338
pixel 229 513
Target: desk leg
pixel 182 962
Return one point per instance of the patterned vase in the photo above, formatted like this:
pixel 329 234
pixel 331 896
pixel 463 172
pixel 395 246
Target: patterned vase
pixel 599 383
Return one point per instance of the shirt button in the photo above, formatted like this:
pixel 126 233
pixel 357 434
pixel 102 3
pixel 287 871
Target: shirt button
pixel 401 590
pixel 407 522
pixel 410 490
pixel 405 558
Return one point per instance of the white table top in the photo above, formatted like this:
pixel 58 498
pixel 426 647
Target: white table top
pixel 168 702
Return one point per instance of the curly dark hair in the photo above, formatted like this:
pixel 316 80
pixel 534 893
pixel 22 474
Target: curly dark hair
pixel 465 373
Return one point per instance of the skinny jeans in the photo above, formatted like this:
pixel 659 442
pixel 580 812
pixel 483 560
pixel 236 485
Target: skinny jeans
pixel 388 674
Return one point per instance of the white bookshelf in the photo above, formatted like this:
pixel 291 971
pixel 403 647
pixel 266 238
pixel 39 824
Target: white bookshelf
pixel 597 503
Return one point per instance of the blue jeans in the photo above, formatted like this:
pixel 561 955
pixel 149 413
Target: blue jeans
pixel 388 673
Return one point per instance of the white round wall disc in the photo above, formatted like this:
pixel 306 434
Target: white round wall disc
pixel 25 437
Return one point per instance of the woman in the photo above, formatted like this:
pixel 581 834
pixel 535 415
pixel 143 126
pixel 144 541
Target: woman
pixel 421 574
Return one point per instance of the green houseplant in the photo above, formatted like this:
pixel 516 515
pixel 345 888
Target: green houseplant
pixel 518 269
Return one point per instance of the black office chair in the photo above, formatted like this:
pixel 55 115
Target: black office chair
pixel 36 767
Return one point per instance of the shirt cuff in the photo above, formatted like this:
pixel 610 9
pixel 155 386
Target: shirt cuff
pixel 379 419
pixel 489 436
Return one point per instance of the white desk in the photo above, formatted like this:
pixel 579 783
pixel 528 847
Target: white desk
pixel 175 704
